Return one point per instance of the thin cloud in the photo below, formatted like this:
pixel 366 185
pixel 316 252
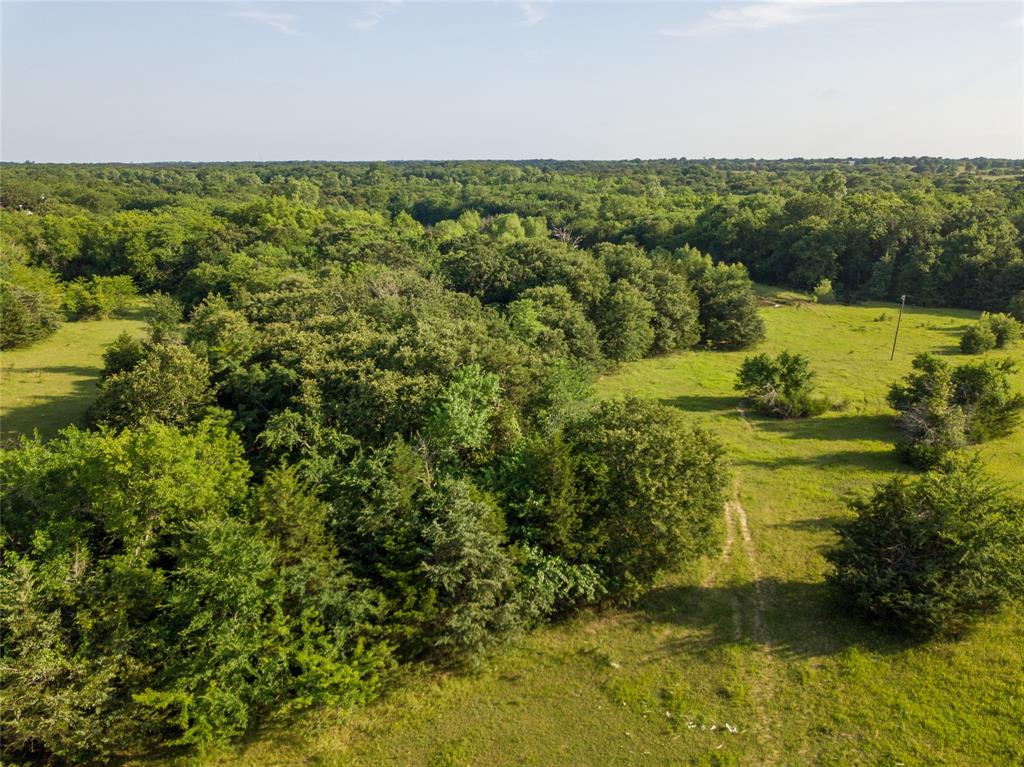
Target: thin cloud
pixel 756 16
pixel 282 22
pixel 374 15
pixel 532 14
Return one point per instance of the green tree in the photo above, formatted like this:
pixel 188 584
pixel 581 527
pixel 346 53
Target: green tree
pixel 931 555
pixel 624 322
pixel 169 385
pixel 650 490
pixel 780 386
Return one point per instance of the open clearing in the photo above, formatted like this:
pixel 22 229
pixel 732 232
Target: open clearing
pixel 743 661
pixel 50 384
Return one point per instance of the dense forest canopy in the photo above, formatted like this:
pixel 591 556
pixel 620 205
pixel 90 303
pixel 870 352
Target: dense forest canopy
pixel 357 434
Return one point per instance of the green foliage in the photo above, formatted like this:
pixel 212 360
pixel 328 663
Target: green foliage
pixel 983 391
pixel 1015 307
pixel 728 306
pixel 164 317
pixel 123 355
pixel 780 386
pixel 942 409
pixel 649 489
pixel 169 384
pixel 932 425
pixel 148 599
pixel 977 339
pixel 30 300
pixel 1005 328
pixel 98 297
pixel 624 322
pixel 823 292
pixel 931 555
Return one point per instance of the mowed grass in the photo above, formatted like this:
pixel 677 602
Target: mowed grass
pixel 744 660
pixel 51 384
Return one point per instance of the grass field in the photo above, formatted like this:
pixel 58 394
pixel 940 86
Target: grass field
pixel 742 661
pixel 50 384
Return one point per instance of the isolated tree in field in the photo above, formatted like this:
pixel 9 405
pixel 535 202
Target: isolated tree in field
pixel 942 409
pixel 929 556
pixel 780 386
pixel 977 339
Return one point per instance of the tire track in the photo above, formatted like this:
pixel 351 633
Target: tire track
pixel 738 538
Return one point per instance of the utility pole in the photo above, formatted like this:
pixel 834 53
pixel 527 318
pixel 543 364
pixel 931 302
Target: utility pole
pixel 903 300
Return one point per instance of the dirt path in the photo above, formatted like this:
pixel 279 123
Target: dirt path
pixel 737 527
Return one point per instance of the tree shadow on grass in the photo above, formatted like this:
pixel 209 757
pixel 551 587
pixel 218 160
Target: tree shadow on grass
pixel 49 413
pixel 705 404
pixel 879 427
pixel 862 459
pixel 795 619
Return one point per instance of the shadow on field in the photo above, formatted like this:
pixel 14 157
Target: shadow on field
pixel 864 459
pixel 839 427
pixel 796 619
pixel 49 413
pixel 705 404
pixel 814 525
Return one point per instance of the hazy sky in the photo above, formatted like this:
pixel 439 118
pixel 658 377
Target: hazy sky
pixel 146 81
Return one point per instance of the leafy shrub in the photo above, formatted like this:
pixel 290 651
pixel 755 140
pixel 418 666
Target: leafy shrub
pixel 992 331
pixel 30 301
pixel 100 297
pixel 977 339
pixel 1005 328
pixel 781 386
pixel 823 291
pixel 151 597
pixel 943 409
pixel 169 384
pixel 983 391
pixel 123 355
pixel 929 556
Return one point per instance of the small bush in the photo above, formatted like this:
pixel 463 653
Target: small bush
pixel 992 331
pixel 99 297
pixel 930 556
pixel 977 339
pixel 1005 328
pixel 780 386
pixel 823 291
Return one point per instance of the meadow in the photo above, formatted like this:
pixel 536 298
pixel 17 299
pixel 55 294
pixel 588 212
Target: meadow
pixel 744 660
pixel 50 384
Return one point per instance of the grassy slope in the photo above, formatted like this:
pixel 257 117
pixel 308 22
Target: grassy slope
pixel 749 641
pixel 50 384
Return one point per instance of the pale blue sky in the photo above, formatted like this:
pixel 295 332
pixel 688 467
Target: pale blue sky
pixel 147 81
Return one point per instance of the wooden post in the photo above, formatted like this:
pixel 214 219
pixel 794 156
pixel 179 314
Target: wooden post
pixel 903 300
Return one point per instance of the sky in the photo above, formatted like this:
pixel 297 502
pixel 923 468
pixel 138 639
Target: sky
pixel 207 81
